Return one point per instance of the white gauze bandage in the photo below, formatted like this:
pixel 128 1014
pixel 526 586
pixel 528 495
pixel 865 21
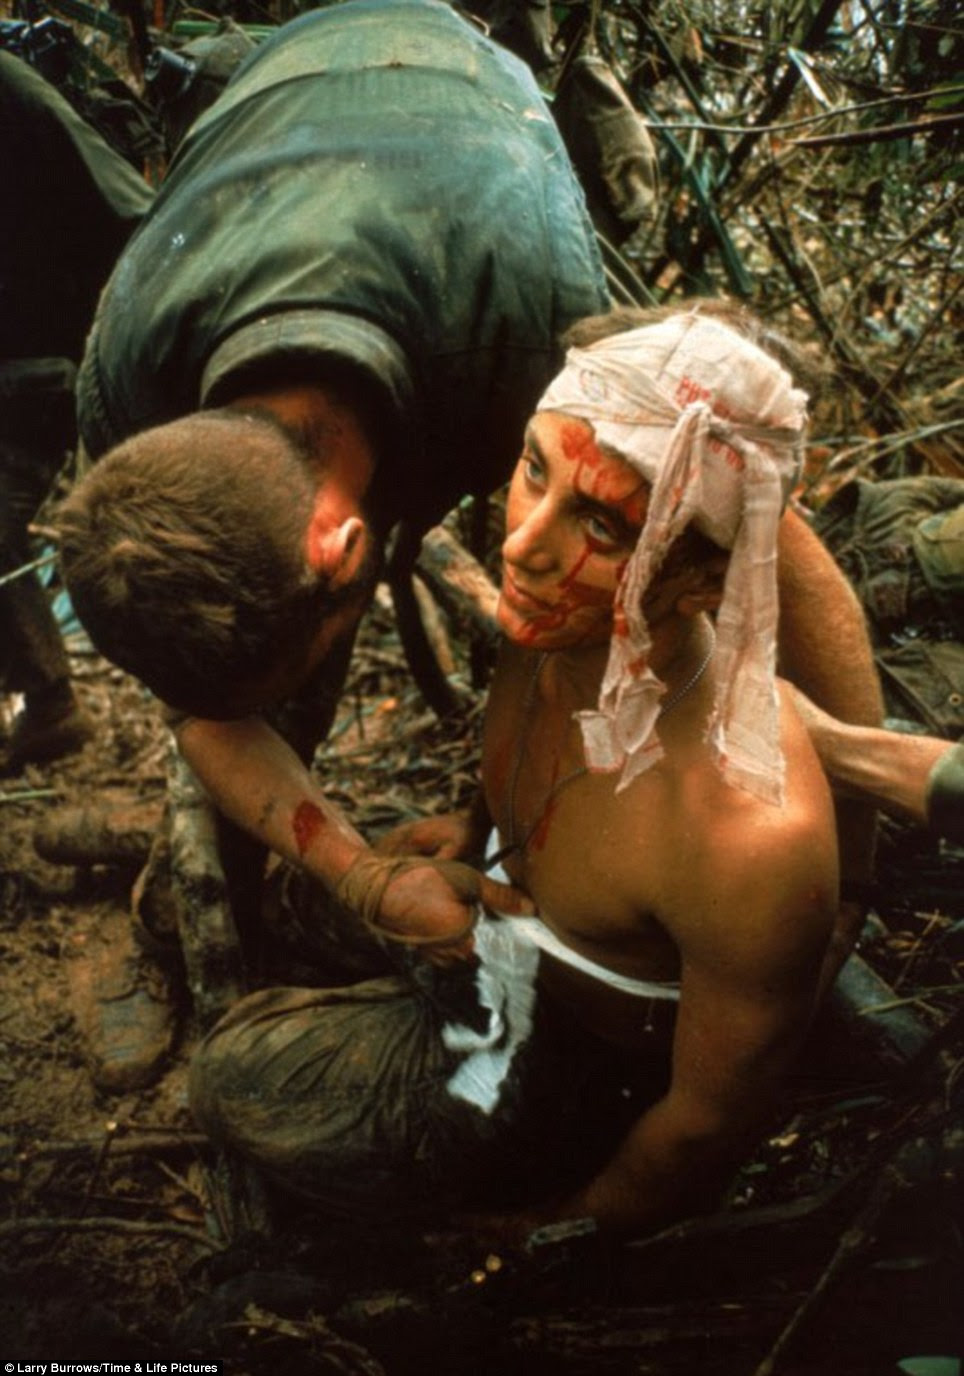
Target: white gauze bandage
pixel 716 428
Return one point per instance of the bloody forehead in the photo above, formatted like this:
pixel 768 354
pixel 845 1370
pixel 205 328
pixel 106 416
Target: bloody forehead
pixel 600 475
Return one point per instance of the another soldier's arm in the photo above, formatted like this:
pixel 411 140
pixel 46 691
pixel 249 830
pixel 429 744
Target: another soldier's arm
pixel 918 777
pixel 257 781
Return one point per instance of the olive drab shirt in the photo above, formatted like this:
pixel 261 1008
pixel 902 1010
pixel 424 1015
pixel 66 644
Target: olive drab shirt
pixel 378 182
pixel 70 203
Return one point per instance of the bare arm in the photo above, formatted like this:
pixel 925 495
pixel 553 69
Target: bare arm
pixel 258 782
pixel 891 768
pixel 750 976
pixel 824 647
pixel 825 651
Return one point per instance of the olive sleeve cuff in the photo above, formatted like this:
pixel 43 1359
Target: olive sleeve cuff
pixel 945 794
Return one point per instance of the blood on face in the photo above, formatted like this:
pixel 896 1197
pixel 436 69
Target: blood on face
pixel 574 515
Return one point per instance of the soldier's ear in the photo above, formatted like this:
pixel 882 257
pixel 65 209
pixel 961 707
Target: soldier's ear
pixel 704 589
pixel 335 550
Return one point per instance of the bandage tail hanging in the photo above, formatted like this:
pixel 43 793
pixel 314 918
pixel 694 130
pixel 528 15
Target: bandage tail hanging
pixel 727 466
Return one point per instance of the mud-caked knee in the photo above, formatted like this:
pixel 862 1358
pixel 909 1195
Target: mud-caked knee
pixel 337 1094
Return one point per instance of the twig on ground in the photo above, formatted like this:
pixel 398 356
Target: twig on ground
pixel 29 795
pixel 130 1227
pixel 147 1144
pixel 892 1180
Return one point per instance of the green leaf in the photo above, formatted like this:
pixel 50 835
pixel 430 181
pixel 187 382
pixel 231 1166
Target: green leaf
pixel 930 1366
pixel 946 99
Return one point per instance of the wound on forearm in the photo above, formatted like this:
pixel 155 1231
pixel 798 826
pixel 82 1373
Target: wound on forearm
pixel 306 823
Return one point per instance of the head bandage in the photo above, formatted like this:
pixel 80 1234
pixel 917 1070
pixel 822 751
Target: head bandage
pixel 716 427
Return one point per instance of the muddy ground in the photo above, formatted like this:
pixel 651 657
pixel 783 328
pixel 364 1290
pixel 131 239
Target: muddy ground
pixel 843 1234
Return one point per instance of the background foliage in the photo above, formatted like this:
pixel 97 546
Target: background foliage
pixel 810 160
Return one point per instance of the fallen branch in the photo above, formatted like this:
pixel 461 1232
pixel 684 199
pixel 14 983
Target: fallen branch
pixel 92 834
pixel 819 116
pixel 206 927
pixel 14 1227
pixel 898 1176
pixel 147 1144
pixel 29 795
pixel 874 1016
pixel 459 582
pixel 884 133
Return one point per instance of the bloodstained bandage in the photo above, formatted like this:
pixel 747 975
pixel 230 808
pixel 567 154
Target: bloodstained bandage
pixel 716 428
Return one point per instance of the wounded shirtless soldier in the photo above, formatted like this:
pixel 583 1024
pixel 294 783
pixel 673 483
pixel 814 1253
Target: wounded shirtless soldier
pixel 648 782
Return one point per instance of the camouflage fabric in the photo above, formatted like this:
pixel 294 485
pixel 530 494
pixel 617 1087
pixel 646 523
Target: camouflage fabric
pixel 342 1095
pixel 945 795
pixel 901 543
pixel 923 681
pixel 609 144
pixel 939 547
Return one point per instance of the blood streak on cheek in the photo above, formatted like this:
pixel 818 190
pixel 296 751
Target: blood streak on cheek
pixel 307 822
pixel 568 580
pixel 582 594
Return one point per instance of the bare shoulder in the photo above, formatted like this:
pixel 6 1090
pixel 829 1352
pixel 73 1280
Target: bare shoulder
pixel 761 891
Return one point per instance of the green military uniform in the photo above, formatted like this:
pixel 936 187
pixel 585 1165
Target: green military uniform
pixel 901 544
pixel 379 184
pixel 71 203
pixel 945 795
